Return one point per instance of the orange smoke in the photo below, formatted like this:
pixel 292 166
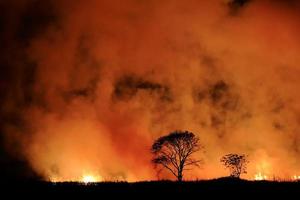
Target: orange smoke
pixel 109 77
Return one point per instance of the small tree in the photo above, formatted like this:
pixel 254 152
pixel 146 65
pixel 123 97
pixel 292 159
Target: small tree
pixel 237 164
pixel 174 152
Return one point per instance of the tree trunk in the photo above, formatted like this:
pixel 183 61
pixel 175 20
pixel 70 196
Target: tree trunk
pixel 179 177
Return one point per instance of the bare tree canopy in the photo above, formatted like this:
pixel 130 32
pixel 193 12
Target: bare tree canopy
pixel 174 152
pixel 237 164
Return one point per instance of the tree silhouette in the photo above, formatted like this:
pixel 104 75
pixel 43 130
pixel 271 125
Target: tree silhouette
pixel 237 164
pixel 174 152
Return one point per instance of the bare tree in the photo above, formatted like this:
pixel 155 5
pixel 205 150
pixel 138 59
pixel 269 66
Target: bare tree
pixel 237 164
pixel 174 152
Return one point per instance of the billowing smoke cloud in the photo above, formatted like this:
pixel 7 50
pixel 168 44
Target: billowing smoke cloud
pixel 88 85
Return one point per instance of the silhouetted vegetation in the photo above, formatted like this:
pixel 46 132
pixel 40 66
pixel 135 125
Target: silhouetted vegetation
pixel 223 187
pixel 237 164
pixel 174 152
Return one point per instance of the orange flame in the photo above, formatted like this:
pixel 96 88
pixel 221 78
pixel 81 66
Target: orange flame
pixel 260 176
pixel 90 179
pixel 296 177
pixel 85 178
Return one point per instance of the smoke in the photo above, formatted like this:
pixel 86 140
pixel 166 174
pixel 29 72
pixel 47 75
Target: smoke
pixel 88 85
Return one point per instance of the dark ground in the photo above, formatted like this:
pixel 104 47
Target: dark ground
pixel 224 187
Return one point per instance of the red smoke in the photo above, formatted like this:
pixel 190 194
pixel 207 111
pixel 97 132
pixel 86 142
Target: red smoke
pixel 109 77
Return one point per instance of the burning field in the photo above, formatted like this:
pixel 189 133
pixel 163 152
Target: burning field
pixel 86 86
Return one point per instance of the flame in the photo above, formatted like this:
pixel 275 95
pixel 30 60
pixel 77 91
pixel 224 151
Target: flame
pixel 263 169
pixel 85 178
pixel 90 179
pixel 260 176
pixel 296 178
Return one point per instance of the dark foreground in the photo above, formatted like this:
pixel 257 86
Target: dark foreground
pixel 220 187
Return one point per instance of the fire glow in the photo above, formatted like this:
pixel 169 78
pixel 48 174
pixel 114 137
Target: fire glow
pixel 260 176
pixel 86 179
pixel 263 167
pixel 296 178
pixel 93 87
pixel 90 179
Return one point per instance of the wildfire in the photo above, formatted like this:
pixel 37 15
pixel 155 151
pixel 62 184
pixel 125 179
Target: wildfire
pixel 296 178
pixel 260 176
pixel 90 179
pixel 263 169
pixel 86 178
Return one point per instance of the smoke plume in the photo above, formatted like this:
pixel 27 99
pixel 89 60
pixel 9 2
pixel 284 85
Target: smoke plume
pixel 86 86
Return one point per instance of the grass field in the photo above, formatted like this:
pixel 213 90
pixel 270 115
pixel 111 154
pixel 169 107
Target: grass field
pixel 224 187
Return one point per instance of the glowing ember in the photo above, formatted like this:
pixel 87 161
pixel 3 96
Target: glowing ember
pixel 260 176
